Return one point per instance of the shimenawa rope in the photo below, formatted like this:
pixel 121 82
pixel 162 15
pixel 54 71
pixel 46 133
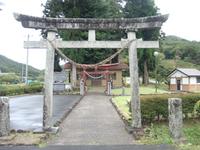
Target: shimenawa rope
pixel 88 65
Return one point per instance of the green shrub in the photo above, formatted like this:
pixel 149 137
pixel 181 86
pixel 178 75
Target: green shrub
pixel 197 108
pixel 8 90
pixel 155 107
pixel 9 78
pixel 36 88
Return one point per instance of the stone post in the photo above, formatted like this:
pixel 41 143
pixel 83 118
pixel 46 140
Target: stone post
pixel 4 116
pixel 48 85
pixel 123 91
pixel 74 77
pixel 175 118
pixel 67 76
pixel 91 35
pixel 133 68
pixel 109 88
pixel 82 90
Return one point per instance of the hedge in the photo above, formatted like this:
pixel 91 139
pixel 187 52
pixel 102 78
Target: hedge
pixel 19 89
pixel 155 107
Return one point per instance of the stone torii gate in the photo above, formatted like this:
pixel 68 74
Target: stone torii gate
pixel 131 25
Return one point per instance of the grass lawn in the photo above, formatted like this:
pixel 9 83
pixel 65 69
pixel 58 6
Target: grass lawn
pixel 143 90
pixel 158 133
pixel 121 103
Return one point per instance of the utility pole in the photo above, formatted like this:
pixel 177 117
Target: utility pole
pixel 27 55
pixel 22 73
pixel 156 71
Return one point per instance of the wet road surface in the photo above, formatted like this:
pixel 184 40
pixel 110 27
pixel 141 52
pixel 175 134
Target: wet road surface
pixel 26 111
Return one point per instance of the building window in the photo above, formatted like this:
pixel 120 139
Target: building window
pixel 198 79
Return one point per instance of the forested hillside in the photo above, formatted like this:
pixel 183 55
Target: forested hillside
pixel 9 66
pixel 180 49
pixel 176 52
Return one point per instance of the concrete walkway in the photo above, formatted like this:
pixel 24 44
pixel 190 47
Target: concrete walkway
pixel 92 147
pixel 93 122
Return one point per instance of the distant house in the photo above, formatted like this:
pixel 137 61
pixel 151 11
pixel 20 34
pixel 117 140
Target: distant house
pixel 184 79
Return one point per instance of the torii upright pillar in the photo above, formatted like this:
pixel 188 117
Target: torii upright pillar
pixel 133 68
pixel 74 75
pixel 48 84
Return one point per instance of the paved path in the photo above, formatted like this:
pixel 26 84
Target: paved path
pixel 92 147
pixel 93 122
pixel 26 111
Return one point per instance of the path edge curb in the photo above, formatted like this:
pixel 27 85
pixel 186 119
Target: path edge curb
pixel 128 128
pixel 66 113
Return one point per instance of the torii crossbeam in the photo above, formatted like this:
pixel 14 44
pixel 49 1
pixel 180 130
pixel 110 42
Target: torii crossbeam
pixel 91 23
pixel 129 24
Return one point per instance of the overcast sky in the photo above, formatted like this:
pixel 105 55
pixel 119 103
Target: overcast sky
pixel 183 21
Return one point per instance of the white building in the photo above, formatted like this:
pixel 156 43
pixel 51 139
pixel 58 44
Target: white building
pixel 185 79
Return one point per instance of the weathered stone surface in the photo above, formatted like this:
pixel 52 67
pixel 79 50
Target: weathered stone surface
pixel 59 81
pixel 82 90
pixel 135 96
pixel 109 88
pixel 90 44
pixel 4 116
pixel 91 23
pixel 175 118
pixel 60 77
pixel 58 87
pixel 91 35
pixel 48 92
pixel 74 75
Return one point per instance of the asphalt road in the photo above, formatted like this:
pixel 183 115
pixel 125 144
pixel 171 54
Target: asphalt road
pixel 26 111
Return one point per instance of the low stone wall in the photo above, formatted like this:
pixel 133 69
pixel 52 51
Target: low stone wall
pixel 58 87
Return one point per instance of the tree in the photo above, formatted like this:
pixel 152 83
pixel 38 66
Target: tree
pixel 9 78
pixel 86 9
pixel 143 8
pixel 57 67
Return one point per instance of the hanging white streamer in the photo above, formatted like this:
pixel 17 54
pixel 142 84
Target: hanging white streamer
pixel 99 77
